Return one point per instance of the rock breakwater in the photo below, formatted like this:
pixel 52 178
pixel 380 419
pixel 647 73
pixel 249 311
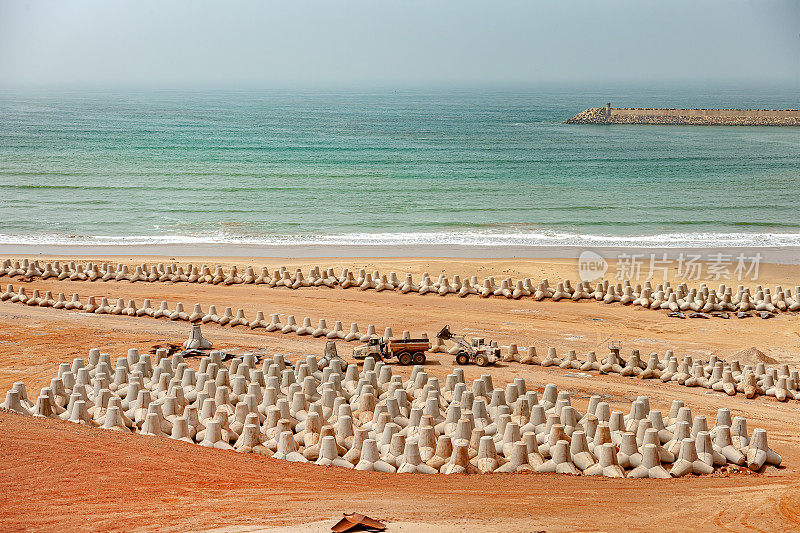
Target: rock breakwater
pixel 694 117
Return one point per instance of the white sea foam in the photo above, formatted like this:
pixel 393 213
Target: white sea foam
pixel 454 238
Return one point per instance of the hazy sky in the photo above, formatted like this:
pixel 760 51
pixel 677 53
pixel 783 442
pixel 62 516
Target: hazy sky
pixel 290 42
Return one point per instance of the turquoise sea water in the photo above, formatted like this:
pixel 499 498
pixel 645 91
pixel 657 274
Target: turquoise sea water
pixel 383 167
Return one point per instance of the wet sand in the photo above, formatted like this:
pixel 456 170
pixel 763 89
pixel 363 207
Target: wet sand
pixel 458 253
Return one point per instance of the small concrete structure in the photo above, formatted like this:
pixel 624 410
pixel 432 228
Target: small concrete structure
pixel 196 340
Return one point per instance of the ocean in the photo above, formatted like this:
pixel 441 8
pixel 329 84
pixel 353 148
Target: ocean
pixel 425 167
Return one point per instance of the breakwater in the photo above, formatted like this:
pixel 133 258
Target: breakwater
pixel 694 117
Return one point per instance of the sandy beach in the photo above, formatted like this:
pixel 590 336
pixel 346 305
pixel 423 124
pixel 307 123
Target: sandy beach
pixel 67 471
pixel 543 324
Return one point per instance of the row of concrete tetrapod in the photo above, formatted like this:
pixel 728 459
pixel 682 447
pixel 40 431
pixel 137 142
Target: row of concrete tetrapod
pixel 663 296
pixel 715 374
pixel 197 316
pixel 327 412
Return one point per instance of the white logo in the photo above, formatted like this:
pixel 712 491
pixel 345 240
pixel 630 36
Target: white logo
pixel 591 266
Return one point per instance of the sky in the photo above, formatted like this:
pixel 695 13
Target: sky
pixel 236 43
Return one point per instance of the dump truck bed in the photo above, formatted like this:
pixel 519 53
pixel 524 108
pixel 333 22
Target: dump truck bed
pixel 409 345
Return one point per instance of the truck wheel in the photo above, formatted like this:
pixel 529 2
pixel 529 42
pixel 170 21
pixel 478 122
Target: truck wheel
pixel 481 360
pixel 405 358
pixel 419 358
pixel 462 358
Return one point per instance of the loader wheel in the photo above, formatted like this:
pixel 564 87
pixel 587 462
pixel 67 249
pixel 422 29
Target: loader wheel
pixel 405 358
pixel 481 360
pixel 419 358
pixel 462 358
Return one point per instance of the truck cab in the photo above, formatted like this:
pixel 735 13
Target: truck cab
pixel 371 349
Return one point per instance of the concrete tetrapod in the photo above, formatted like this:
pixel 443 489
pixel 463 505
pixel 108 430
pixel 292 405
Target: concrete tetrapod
pixel 371 458
pixel 650 466
pixel 714 374
pixel 459 462
pixel 412 462
pixel 759 454
pixel 74 303
pixel 707 452
pixel 293 410
pixel 329 454
pixel 723 441
pixel 444 450
pixel 13 403
pixel 196 340
pixel 607 464
pixel 559 461
pixel 688 462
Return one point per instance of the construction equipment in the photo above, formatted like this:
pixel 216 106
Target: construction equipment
pixel 473 351
pixel 407 351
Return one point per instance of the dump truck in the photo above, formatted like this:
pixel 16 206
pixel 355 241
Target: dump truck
pixel 472 351
pixel 407 351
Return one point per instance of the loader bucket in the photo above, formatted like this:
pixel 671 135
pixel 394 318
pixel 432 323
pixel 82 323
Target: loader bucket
pixel 445 334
